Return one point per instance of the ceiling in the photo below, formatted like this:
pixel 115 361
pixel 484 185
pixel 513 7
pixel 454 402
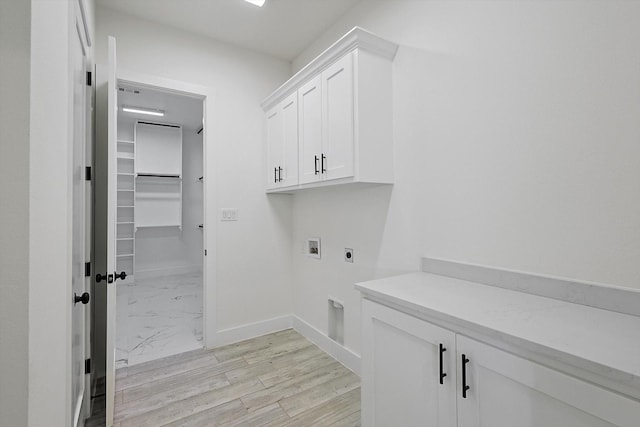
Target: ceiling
pixel 178 109
pixel 281 28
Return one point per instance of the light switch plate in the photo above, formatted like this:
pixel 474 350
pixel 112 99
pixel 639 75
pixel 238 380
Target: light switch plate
pixel 229 214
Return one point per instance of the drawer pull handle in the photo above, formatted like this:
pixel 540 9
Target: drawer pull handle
pixel 465 387
pixel 442 374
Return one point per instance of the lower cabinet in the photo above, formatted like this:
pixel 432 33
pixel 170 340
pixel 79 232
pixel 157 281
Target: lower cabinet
pixel 415 373
pixel 408 370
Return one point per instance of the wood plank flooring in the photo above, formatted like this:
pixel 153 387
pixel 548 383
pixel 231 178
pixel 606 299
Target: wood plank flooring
pixel 279 379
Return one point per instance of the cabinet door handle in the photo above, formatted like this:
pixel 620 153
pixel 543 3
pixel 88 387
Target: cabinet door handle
pixel 275 174
pixel 322 163
pixel 442 374
pixel 315 159
pixel 465 387
pixel 279 174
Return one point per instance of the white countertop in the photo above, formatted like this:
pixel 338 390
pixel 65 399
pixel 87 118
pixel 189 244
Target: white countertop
pixel 600 341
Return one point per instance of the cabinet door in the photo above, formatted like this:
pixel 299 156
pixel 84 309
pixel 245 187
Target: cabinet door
pixel 310 131
pixel 289 173
pixel 338 119
pixel 506 391
pixel 275 145
pixel 401 370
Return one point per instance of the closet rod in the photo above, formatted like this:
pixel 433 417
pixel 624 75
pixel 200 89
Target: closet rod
pixel 156 175
pixel 159 124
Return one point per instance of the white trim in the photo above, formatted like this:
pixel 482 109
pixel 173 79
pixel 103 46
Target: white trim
pixel 252 330
pixel 157 82
pixel 342 354
pixel 210 190
pixel 357 38
pixel 85 22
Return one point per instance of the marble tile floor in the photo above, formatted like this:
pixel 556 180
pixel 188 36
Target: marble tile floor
pixel 158 317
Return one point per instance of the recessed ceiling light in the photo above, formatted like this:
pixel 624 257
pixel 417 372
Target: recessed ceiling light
pixel 140 110
pixel 258 3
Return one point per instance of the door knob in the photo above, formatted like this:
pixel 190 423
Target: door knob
pixel 84 298
pixel 120 276
pixel 105 277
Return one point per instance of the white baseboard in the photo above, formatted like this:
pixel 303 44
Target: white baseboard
pixel 252 330
pixel 171 271
pixel 342 354
pixel 240 333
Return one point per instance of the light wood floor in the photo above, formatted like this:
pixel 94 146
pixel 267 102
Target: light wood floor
pixel 279 379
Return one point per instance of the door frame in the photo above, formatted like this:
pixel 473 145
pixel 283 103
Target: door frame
pixel 210 196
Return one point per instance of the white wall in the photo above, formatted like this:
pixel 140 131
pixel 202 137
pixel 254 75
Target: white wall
pixel 15 29
pixel 253 280
pixel 516 129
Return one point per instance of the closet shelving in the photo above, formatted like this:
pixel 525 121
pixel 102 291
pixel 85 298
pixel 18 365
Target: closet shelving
pixel 158 178
pixel 125 217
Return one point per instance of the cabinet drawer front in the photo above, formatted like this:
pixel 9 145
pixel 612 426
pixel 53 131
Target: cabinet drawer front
pixel 401 370
pixel 507 390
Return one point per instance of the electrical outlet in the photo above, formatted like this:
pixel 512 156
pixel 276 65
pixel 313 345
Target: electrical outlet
pixel 313 247
pixel 348 255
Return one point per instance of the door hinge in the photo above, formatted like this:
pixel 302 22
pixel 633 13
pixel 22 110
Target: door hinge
pixel 205 252
pixel 89 81
pixel 87 366
pixel 87 173
pixel 87 269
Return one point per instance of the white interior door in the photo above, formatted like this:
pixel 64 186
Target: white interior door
pixel 112 138
pixel 78 280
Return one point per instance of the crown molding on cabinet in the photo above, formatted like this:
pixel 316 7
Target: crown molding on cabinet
pixel 357 38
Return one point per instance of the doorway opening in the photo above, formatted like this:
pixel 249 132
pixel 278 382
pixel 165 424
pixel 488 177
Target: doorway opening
pixel 159 223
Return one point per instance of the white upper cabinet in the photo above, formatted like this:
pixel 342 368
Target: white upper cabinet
pixel 282 144
pixel 336 159
pixel 344 120
pixel 310 131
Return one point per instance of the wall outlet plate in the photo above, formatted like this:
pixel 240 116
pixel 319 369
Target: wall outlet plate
pixel 348 255
pixel 313 247
pixel 229 214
